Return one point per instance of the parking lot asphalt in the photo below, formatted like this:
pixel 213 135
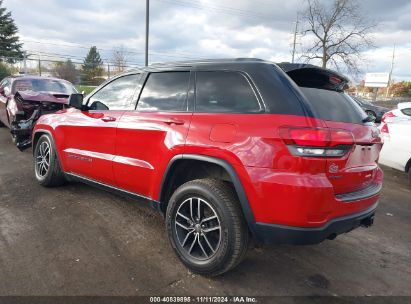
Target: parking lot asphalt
pixel 78 240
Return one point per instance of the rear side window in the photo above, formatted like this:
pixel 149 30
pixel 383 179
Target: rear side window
pixel 406 111
pixel 334 106
pixel 224 92
pixel 165 91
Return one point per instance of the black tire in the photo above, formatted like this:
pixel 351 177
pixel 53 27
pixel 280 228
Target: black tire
pixel 230 246
pixel 53 176
pixel 409 174
pixel 2 125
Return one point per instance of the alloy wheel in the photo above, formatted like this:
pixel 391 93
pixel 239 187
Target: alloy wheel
pixel 197 227
pixel 43 159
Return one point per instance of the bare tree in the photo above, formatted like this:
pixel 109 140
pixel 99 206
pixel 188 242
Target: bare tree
pixel 337 33
pixel 119 59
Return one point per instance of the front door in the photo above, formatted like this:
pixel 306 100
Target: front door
pixel 89 136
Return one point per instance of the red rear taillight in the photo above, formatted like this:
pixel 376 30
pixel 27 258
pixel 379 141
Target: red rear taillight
pixel 385 129
pixel 388 115
pixel 341 137
pixel 317 141
pixel 307 137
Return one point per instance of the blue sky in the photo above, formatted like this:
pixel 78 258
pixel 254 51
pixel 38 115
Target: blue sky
pixel 191 29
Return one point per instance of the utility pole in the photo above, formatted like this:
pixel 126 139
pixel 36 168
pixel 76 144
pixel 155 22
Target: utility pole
pixel 108 70
pixel 39 65
pixel 392 68
pixel 147 28
pixel 295 39
pixel 25 62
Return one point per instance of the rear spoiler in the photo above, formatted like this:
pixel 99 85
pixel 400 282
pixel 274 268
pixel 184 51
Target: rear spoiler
pixel 311 76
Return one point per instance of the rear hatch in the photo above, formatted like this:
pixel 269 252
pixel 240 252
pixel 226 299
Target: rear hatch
pixel 323 89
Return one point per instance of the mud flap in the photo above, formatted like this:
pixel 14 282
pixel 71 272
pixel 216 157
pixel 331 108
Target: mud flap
pixel 22 129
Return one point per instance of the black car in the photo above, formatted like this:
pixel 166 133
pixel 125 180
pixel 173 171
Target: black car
pixel 374 112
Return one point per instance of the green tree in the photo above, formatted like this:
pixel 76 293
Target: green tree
pixel 66 70
pixel 10 47
pixel 4 71
pixel 92 69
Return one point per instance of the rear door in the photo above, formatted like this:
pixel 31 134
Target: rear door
pixel 223 121
pixel 89 136
pixel 150 136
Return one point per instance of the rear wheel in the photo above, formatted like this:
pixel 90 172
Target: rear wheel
pixel 206 226
pixel 409 174
pixel 47 167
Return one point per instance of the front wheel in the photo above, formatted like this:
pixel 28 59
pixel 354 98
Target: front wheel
pixel 206 227
pixel 47 167
pixel 409 174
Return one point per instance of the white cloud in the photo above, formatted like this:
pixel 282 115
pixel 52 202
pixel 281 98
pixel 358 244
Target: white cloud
pixel 199 29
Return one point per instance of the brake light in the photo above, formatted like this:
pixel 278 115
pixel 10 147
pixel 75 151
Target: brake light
pixel 388 115
pixel 385 129
pixel 319 142
pixel 335 80
pixel 309 137
pixel 341 137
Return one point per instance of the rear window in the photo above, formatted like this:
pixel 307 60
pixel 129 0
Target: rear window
pixel 334 106
pixel 43 85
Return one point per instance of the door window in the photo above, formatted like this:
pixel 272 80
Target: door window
pixel 406 111
pixel 165 91
pixel 227 92
pixel 117 95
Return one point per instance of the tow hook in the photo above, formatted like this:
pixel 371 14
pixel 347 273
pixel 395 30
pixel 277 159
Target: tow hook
pixel 367 222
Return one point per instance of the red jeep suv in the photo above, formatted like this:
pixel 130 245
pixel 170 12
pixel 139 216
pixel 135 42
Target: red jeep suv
pixel 225 150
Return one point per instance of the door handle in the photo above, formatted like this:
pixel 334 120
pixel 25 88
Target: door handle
pixel 174 122
pixel 108 119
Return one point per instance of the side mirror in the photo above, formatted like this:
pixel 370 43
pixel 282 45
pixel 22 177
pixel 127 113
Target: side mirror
pixel 98 106
pixel 76 101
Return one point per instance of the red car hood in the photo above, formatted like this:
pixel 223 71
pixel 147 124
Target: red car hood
pixel 43 96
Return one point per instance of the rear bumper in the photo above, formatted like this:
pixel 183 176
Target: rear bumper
pixel 280 234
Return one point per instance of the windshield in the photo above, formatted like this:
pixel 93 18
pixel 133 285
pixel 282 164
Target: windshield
pixel 334 106
pixel 44 85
